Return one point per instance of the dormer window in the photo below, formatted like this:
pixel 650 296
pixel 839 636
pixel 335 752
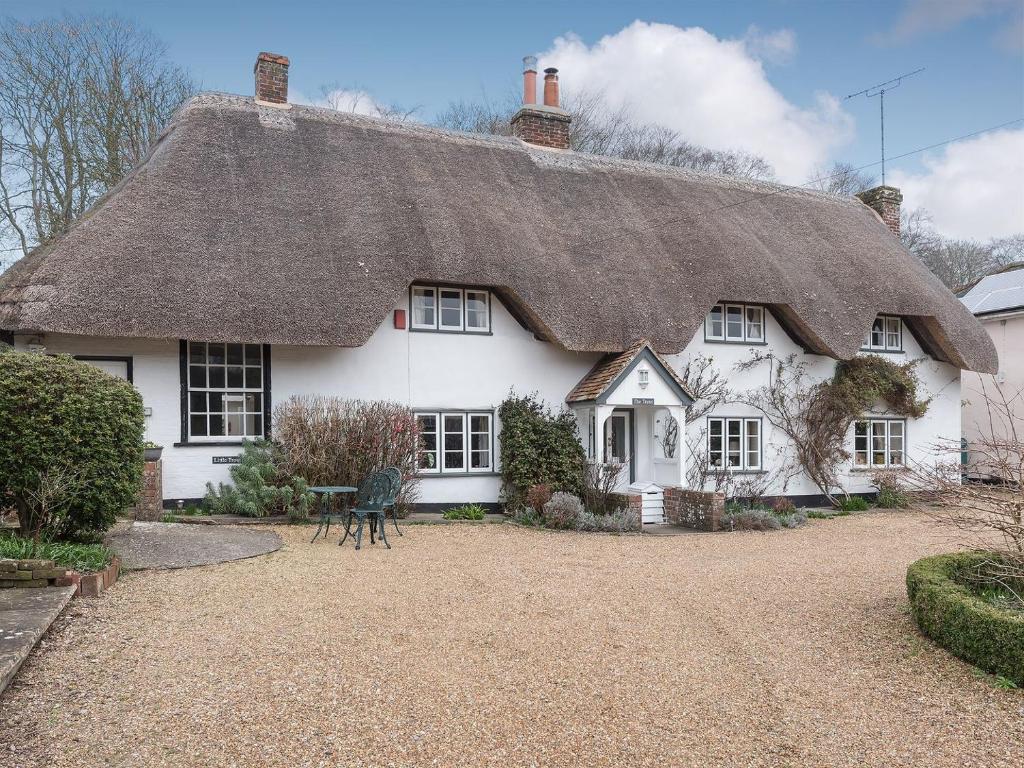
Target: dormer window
pixel 737 323
pixel 886 335
pixel 450 310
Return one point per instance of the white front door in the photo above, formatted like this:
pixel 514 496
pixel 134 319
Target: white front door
pixel 619 443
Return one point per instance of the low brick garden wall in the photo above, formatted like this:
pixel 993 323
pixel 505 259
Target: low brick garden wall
pixel 27 574
pixel 699 510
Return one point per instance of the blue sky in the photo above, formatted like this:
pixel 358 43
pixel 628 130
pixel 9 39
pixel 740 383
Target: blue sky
pixel 794 61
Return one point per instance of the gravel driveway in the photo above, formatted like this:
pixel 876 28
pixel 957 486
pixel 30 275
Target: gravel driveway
pixel 493 645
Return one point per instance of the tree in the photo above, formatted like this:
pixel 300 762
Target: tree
pixel 597 128
pixel 841 179
pixel 81 101
pixel 357 101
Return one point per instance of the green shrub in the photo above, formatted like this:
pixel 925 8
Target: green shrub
pixel 70 444
pixel 465 512
pixel 86 558
pixel 959 619
pixel 260 487
pixel 890 491
pixel 853 504
pixel 538 447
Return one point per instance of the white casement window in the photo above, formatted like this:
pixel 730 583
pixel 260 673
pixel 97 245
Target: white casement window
pixel 734 444
pixel 450 303
pixel 879 442
pixel 459 310
pixel 455 442
pixel 740 323
pixel 478 311
pixel 225 391
pixel 424 307
pixel 886 334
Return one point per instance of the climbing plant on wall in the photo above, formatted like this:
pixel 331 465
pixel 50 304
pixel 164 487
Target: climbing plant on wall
pixel 816 415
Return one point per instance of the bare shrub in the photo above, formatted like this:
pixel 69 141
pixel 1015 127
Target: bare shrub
pixel 599 481
pixel 334 441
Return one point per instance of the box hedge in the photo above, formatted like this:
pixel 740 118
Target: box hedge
pixel 70 444
pixel 949 612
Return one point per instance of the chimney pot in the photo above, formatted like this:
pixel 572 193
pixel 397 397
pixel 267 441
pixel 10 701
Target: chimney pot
pixel 529 80
pixel 551 87
pixel 271 71
pixel 885 201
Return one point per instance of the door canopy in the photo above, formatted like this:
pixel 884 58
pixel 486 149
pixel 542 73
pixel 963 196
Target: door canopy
pixel 638 376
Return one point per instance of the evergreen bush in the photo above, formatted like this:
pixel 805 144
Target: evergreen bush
pixel 259 487
pixel 538 447
pixel 70 445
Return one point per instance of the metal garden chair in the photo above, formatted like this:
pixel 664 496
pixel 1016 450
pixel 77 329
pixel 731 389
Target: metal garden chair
pixel 395 475
pixel 373 492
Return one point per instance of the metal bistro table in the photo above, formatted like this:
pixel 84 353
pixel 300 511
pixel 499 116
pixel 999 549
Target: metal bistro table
pixel 326 492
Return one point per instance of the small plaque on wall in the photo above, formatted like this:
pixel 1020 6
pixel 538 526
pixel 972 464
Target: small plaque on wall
pixel 643 401
pixel 227 459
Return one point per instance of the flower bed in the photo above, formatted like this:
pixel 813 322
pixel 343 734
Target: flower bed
pixel 956 617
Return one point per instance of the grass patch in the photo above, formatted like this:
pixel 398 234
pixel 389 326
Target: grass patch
pixel 853 504
pixel 86 558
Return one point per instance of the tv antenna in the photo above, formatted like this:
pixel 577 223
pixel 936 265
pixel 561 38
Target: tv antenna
pixel 879 91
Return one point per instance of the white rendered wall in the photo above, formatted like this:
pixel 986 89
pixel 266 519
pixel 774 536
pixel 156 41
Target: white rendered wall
pixel 466 372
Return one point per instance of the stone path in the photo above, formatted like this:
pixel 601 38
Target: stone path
pixel 25 615
pixel 175 545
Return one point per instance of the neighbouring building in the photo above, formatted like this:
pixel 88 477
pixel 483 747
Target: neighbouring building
pixel 997 300
pixel 265 249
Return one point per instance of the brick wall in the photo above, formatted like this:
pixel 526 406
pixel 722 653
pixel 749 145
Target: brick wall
pixel 151 500
pixel 699 510
pixel 29 573
pixel 544 127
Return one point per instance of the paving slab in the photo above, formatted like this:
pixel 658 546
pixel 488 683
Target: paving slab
pixel 175 545
pixel 25 615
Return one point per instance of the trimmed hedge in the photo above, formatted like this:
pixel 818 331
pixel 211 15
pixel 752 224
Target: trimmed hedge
pixel 70 444
pixel 951 614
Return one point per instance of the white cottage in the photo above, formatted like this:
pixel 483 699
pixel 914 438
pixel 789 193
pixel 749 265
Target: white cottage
pixel 265 249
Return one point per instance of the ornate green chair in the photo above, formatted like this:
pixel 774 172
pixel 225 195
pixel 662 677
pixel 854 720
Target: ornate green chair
pixel 395 475
pixel 373 493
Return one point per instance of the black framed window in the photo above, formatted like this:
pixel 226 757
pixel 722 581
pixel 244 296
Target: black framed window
pixel 225 391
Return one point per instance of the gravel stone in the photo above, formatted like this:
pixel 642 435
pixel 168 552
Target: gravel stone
pixel 503 646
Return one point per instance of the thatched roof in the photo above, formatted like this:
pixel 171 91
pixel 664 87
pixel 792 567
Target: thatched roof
pixel 306 226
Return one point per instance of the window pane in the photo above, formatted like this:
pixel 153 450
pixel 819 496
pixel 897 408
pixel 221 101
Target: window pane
pixel 253 403
pixel 878 333
pixel 216 378
pixel 860 443
pixel 216 426
pixel 734 323
pixel 197 402
pixel 753 444
pixel 254 378
pixel 423 307
pixel 892 333
pixel 235 377
pixel 714 324
pixel 476 310
pixel 755 323
pixel 197 375
pixel 235 356
pixel 251 421
pixel 216 353
pixel 196 352
pixel 733 442
pixel 427 426
pixel 236 425
pixel 715 442
pixel 451 309
pixel 216 402
pixel 253 354
pixel 480 460
pixel 197 426
pixel 480 423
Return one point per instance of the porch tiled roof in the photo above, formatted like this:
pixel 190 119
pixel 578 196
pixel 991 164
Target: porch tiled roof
pixel 608 368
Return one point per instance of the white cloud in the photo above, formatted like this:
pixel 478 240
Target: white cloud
pixel 777 47
pixel 713 91
pixel 973 188
pixel 353 100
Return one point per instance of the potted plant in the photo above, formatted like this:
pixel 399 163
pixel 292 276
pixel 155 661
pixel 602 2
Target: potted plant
pixel 151 451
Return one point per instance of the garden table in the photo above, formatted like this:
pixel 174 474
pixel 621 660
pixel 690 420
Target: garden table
pixel 326 492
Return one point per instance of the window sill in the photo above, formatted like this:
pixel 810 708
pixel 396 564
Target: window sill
pixel 453 332
pixel 211 444
pixel 739 471
pixel 883 351
pixel 737 343
pixel 449 475
pixel 876 467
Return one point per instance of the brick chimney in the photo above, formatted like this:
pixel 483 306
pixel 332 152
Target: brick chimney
pixel 547 124
pixel 271 72
pixel 885 201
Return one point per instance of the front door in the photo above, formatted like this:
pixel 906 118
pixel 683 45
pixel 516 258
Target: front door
pixel 619 444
